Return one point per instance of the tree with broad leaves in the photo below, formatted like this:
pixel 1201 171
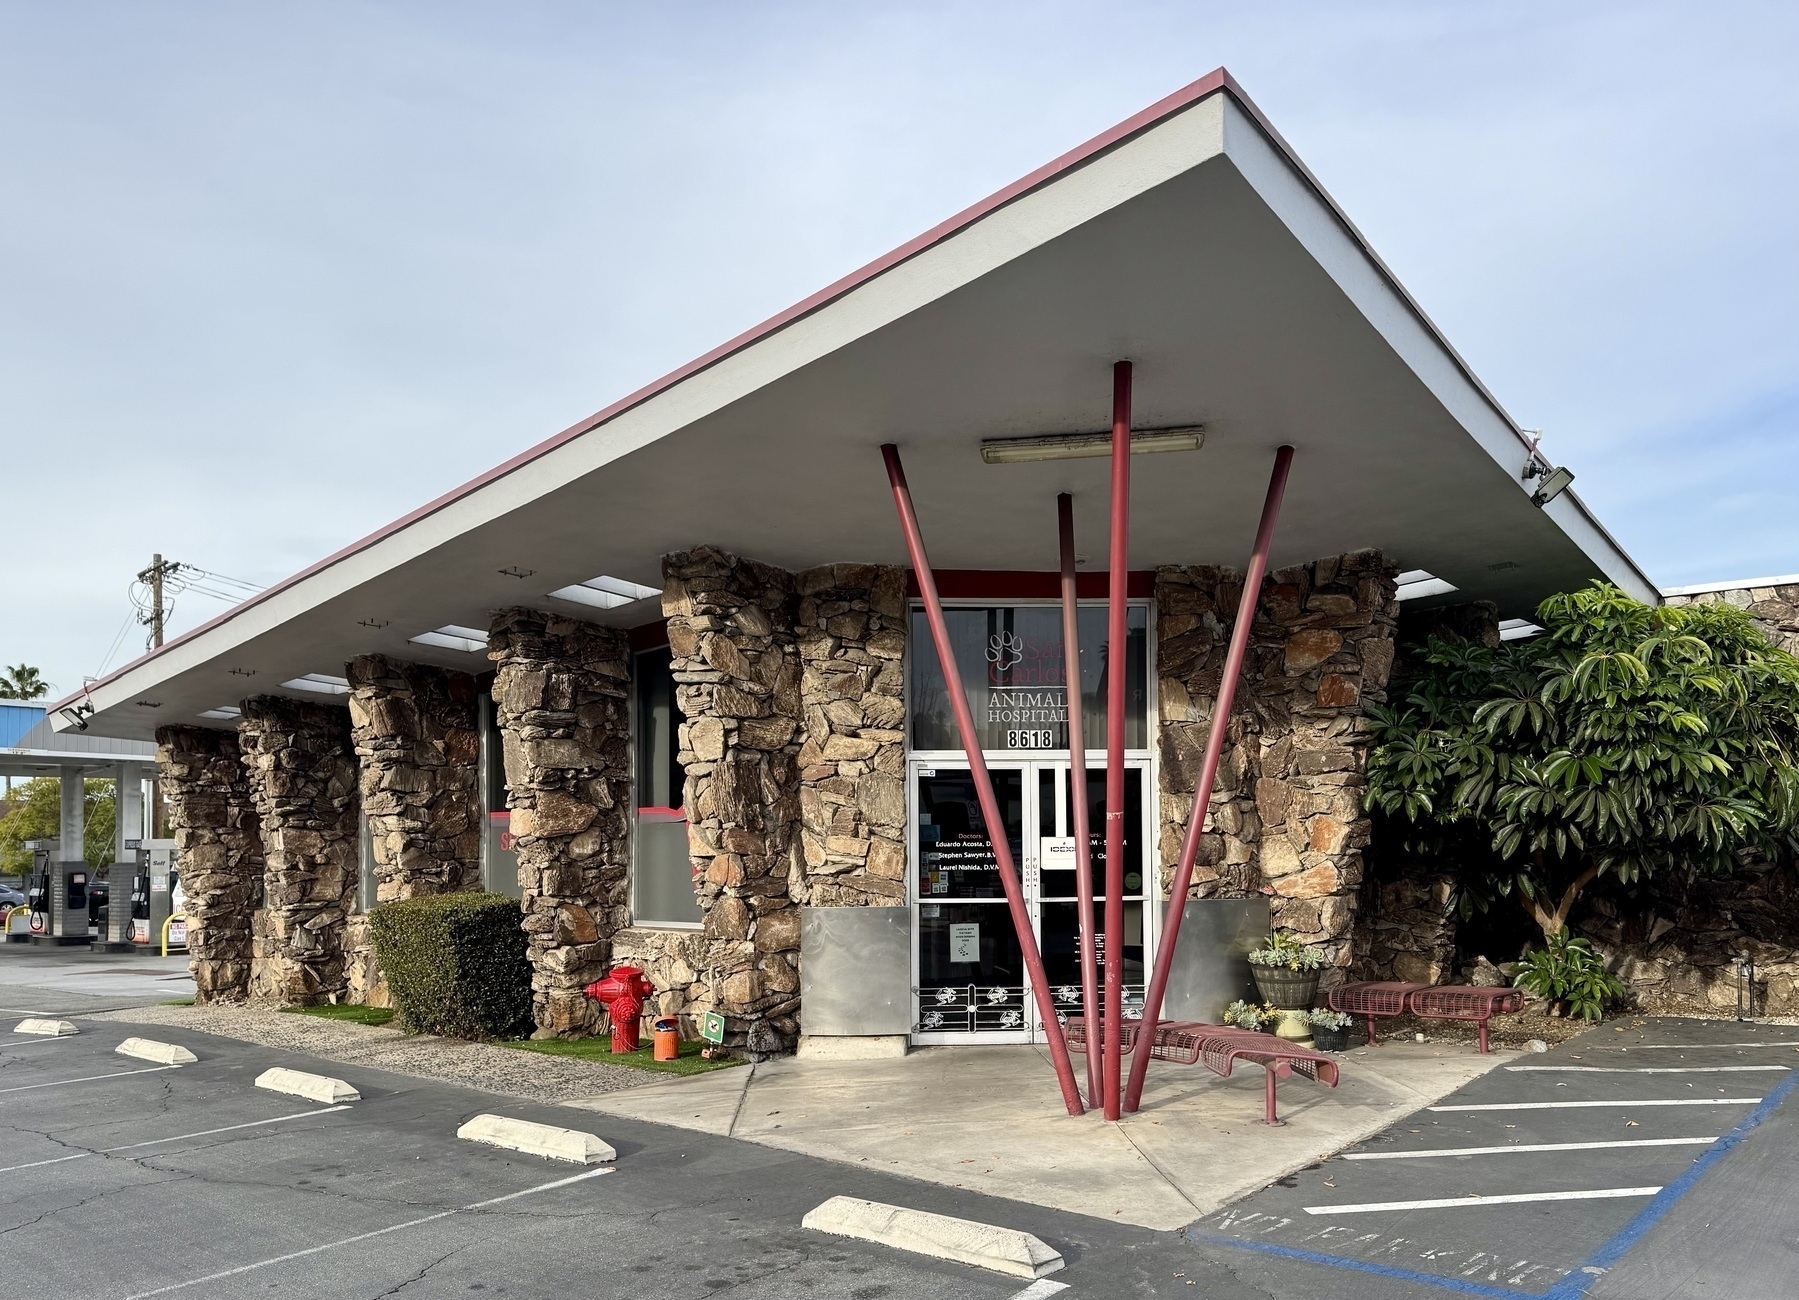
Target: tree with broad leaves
pixel 1628 741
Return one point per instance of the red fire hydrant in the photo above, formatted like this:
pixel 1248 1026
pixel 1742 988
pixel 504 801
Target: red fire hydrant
pixel 622 992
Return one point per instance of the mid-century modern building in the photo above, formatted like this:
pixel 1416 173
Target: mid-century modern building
pixel 663 675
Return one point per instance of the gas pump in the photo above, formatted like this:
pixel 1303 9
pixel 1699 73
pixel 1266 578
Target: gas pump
pixel 37 890
pixel 58 897
pixel 121 904
pixel 152 890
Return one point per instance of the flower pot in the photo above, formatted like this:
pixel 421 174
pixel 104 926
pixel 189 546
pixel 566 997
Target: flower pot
pixel 1326 1039
pixel 1290 990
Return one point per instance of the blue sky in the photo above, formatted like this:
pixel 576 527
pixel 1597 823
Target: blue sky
pixel 272 275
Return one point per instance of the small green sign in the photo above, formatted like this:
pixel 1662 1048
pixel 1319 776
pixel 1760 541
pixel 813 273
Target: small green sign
pixel 712 1027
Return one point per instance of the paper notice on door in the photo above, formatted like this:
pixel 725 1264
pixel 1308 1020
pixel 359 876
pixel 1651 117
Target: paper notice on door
pixel 1057 852
pixel 965 942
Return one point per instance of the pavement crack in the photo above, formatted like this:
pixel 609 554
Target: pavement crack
pixel 420 1275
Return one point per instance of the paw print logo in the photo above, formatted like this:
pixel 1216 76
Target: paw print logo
pixel 1004 649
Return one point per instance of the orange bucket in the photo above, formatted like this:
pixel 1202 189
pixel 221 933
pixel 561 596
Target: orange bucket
pixel 667 1035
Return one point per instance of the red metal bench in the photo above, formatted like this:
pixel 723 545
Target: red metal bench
pixel 1432 1002
pixel 1219 1047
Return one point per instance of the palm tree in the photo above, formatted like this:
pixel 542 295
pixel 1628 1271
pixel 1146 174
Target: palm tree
pixel 22 682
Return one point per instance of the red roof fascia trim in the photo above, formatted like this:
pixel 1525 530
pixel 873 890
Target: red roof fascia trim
pixel 1023 584
pixel 1214 81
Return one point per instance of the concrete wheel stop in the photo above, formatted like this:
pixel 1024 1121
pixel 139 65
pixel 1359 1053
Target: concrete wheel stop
pixel 149 1049
pixel 313 1087
pixel 52 1028
pixel 546 1140
pixel 1004 1250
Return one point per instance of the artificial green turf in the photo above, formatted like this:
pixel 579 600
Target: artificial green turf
pixel 345 1011
pixel 599 1048
pixel 179 1002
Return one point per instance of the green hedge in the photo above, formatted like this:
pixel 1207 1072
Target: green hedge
pixel 455 964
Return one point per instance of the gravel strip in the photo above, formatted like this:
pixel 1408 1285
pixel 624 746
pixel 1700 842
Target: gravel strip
pixel 506 1070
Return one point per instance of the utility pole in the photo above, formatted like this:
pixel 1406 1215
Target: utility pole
pixel 152 577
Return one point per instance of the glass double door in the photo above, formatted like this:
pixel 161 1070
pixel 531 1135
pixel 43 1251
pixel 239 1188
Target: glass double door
pixel 970 976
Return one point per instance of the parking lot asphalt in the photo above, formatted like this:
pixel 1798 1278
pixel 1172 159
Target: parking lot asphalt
pixel 125 1181
pixel 1589 1170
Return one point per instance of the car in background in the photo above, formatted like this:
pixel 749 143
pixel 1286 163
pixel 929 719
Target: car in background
pixel 10 897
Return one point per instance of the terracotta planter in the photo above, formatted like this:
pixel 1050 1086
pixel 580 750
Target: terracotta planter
pixel 1290 990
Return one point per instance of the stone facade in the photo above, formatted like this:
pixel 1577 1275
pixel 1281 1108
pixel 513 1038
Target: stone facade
pixel 738 684
pixel 414 731
pixel 1405 930
pixel 302 778
pixel 561 697
pixel 212 819
pixel 851 623
pixel 1286 814
pixel 1775 608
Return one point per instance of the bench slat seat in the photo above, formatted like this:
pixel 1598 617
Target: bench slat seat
pixel 1433 1002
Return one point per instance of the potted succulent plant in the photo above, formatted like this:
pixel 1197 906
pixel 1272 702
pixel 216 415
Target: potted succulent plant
pixel 1247 1015
pixel 1330 1029
pixel 1286 972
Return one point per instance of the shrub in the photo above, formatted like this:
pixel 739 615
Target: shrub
pixel 1570 972
pixel 1323 1018
pixel 455 964
pixel 1285 950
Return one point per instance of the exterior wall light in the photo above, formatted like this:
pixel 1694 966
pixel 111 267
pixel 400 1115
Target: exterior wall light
pixel 1076 446
pixel 1554 483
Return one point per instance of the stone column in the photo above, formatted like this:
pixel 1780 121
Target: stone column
pixel 302 777
pixel 560 693
pixel 414 731
pixel 1286 815
pixel 737 675
pixel 218 843
pixel 851 627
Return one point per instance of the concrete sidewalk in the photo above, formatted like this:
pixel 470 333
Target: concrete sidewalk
pixel 990 1119
pixel 74 979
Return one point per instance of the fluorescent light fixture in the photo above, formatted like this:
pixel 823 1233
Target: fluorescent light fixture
pixel 1516 629
pixel 224 713
pixel 1075 446
pixel 605 592
pixel 1553 485
pixel 320 684
pixel 1417 582
pixel 451 637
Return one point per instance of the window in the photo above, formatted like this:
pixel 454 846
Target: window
pixel 661 867
pixel 1015 670
pixel 499 863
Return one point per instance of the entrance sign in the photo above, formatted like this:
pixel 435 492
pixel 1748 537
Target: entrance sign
pixel 965 942
pixel 1015 671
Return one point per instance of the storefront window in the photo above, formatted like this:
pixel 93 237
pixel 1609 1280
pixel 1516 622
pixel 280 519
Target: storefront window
pixel 499 864
pixel 1015 670
pixel 661 867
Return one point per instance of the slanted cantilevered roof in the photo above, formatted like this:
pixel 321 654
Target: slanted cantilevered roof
pixel 1188 239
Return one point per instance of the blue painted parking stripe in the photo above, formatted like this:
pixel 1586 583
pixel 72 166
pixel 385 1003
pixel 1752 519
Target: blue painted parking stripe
pixel 1577 1283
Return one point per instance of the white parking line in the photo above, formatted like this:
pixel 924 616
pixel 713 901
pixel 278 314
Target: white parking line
pixel 180 1137
pixel 365 1236
pixel 116 1074
pixel 1041 1289
pixel 1616 1105
pixel 35 1042
pixel 1644 1069
pixel 1535 1146
pixel 1465 1202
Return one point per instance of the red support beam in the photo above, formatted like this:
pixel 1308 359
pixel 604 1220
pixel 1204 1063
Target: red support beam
pixel 1116 655
pixel 1208 767
pixel 1077 788
pixel 983 783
